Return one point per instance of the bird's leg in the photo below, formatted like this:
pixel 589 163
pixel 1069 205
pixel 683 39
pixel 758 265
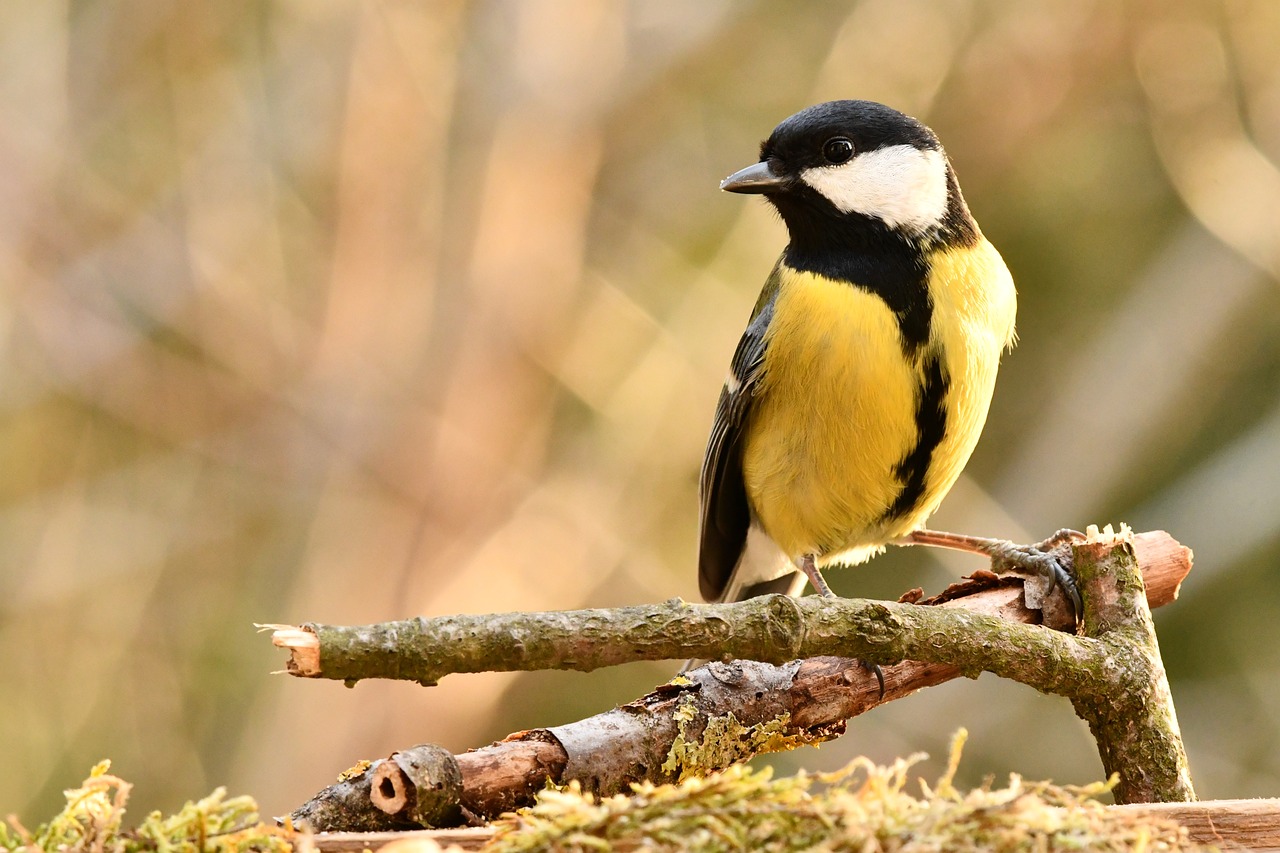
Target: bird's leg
pixel 810 569
pixel 1041 558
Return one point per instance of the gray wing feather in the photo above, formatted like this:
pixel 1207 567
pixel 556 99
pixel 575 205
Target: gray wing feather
pixel 725 513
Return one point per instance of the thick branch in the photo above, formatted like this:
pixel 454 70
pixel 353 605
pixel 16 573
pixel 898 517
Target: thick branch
pixel 778 706
pixel 773 629
pixel 720 714
pixel 1124 693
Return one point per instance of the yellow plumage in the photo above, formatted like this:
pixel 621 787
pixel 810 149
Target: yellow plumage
pixel 974 307
pixel 859 389
pixel 835 408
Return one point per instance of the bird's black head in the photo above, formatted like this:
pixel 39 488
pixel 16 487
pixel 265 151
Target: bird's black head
pixel 857 171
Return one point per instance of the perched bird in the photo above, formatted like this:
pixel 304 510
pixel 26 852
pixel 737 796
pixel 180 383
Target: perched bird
pixel 862 382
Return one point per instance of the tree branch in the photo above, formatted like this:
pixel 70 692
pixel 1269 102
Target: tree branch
pixel 1122 691
pixel 772 629
pixel 727 712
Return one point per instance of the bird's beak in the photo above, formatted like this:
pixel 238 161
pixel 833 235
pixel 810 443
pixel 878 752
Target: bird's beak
pixel 756 178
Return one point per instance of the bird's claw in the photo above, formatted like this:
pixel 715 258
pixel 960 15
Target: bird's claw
pixel 874 669
pixel 1063 579
pixel 1048 559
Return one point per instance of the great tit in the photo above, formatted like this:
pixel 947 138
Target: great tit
pixel 862 382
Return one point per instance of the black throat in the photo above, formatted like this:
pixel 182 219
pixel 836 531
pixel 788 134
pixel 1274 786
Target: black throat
pixel 867 254
pixel 873 257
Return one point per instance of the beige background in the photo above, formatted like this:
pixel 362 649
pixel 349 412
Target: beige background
pixel 348 311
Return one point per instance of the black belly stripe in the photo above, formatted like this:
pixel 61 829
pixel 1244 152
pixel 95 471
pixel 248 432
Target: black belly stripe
pixel 931 427
pixel 875 259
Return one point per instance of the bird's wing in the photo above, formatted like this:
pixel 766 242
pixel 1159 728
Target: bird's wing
pixel 725 515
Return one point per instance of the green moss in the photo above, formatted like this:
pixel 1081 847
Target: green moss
pixel 863 807
pixel 725 741
pixel 94 815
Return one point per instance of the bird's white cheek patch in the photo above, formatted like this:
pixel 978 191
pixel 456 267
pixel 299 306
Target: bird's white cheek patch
pixel 904 186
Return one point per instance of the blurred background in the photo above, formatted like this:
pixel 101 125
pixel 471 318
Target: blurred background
pixel 350 312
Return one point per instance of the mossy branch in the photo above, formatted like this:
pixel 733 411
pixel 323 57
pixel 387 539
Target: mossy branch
pixel 684 727
pixel 1123 692
pixel 772 629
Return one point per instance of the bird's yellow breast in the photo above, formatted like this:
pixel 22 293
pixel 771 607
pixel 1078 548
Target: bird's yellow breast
pixel 835 412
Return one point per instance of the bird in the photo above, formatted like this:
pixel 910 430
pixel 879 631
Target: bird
pixel 862 382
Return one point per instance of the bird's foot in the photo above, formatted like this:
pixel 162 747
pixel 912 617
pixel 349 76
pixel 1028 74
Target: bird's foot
pixel 807 565
pixel 1050 560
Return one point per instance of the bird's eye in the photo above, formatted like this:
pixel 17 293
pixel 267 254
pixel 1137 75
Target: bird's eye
pixel 837 150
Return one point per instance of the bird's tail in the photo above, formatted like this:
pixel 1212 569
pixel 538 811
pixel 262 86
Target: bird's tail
pixel 763 569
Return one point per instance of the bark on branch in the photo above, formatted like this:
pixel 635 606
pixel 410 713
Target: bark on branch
pixel 773 629
pixel 726 712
